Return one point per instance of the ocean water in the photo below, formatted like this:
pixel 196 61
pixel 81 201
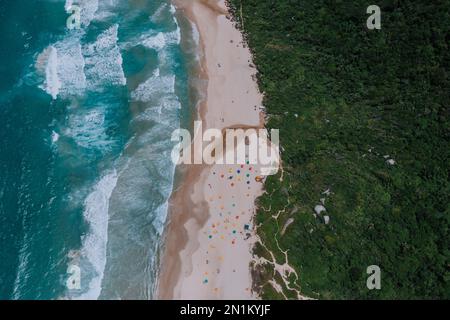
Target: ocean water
pixel 86 117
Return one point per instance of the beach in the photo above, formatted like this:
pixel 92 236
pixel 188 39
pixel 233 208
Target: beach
pixel 210 230
pixel 141 146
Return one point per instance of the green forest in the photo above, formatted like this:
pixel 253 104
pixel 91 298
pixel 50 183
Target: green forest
pixel 364 127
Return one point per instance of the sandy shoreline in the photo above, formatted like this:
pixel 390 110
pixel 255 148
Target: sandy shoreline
pixel 209 234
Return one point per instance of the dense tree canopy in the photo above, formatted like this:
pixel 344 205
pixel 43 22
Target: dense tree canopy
pixel 365 114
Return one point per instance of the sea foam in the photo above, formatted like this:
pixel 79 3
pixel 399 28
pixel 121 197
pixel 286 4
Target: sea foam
pixel 158 15
pixel 70 68
pixel 154 87
pixel 103 60
pixel 47 63
pixel 94 243
pixel 62 65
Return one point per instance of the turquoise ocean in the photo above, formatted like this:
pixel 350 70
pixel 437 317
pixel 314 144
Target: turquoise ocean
pixel 86 117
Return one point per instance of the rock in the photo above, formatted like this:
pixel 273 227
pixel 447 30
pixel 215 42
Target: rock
pixel 319 208
pixel 390 162
pixel 326 219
